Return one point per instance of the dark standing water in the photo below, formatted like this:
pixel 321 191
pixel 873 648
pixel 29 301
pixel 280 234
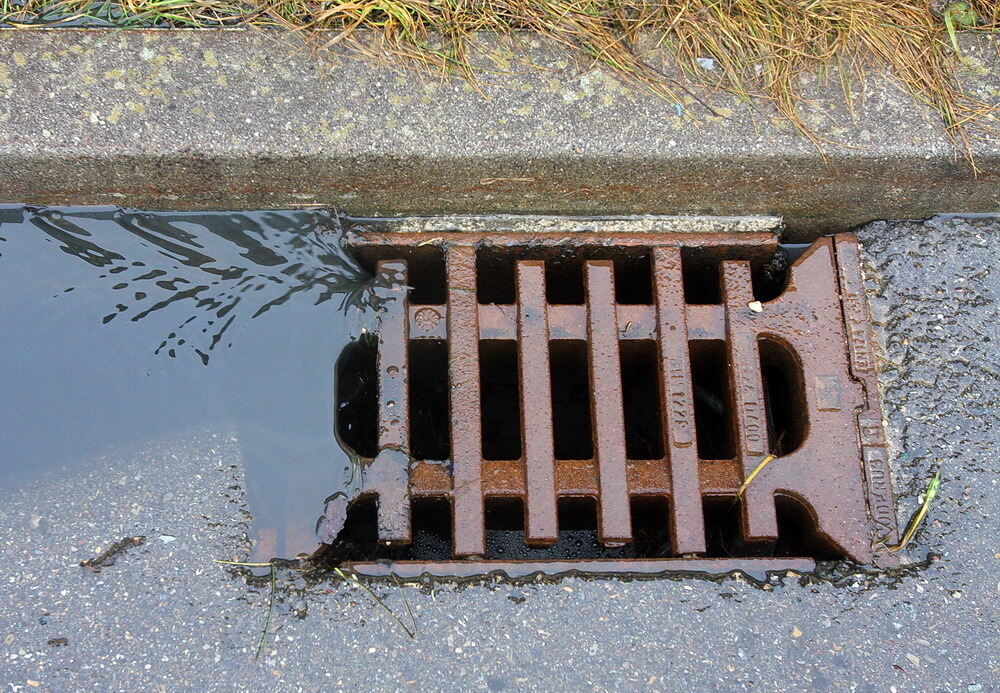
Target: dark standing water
pixel 122 328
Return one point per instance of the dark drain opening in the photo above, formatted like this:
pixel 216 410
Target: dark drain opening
pixel 650 526
pixel 428 380
pixel 577 518
pixel 712 400
pixel 430 520
pixel 432 529
pixel 501 407
pixel 641 399
pixel 564 273
pixel 634 279
pixel 578 539
pixel 701 273
pixel 797 535
pixel 564 280
pixel 356 410
pixel 424 265
pixel 771 278
pixel 495 276
pixel 784 396
pixel 571 425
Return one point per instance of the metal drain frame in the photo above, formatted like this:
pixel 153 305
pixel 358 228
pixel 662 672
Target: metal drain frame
pixel 840 472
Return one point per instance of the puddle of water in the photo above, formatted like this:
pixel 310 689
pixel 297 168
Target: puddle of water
pixel 123 327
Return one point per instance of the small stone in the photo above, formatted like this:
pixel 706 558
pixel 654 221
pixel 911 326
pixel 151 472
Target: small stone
pixel 166 538
pixel 38 523
pixel 914 659
pixel 796 633
pixel 756 306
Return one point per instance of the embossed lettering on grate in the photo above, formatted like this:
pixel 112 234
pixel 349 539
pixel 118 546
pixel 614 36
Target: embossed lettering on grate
pixel 534 391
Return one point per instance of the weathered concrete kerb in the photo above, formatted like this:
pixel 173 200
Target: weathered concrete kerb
pixel 237 119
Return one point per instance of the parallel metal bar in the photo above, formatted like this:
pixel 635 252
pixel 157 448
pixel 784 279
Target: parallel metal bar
pixel 606 399
pixel 388 474
pixel 469 530
pixel 536 403
pixel 759 516
pixel 687 530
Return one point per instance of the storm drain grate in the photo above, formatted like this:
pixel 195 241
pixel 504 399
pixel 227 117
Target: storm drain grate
pixel 594 402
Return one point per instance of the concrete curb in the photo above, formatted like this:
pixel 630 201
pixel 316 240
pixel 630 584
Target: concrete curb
pixel 241 119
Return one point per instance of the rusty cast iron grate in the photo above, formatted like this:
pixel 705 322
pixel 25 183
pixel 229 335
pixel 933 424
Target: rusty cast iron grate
pixel 641 377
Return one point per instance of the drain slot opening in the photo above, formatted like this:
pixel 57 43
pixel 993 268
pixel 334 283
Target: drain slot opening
pixel 577 517
pixel 571 424
pixel 713 414
pixel 501 406
pixel 430 521
pixel 701 272
pixel 425 268
pixel 564 273
pixel 784 397
pixel 651 526
pixel 356 408
pixel 564 280
pixel 797 535
pixel 429 434
pixel 641 398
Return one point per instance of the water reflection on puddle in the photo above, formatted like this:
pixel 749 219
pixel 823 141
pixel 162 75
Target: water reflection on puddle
pixel 122 327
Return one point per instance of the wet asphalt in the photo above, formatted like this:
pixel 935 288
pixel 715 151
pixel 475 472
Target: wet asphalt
pixel 164 617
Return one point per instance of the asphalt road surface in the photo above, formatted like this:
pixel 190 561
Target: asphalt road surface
pixel 165 617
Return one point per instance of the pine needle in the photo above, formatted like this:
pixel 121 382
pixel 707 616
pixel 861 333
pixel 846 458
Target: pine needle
pixel 270 603
pixel 918 517
pixel 750 477
pixel 410 631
